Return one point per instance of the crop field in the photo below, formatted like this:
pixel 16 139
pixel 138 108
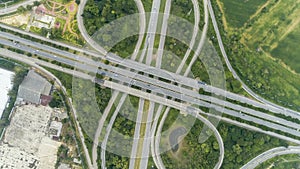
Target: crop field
pixel 238 12
pixel 288 50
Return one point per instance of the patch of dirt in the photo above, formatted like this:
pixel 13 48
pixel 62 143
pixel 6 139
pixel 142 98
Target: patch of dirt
pixel 16 20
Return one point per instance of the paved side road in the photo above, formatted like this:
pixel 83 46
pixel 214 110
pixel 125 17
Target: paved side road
pixel 14 7
pixel 270 154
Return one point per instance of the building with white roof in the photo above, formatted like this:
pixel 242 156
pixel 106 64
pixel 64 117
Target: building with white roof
pixel 32 88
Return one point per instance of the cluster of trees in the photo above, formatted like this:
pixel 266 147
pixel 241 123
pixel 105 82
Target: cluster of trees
pixel 193 154
pixel 125 126
pixel 240 145
pixel 100 12
pixel 56 100
pixel 115 161
pixel 23 9
pixel 184 9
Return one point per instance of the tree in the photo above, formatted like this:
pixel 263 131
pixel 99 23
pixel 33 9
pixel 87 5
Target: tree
pixel 36 3
pixel 237 149
pixel 21 9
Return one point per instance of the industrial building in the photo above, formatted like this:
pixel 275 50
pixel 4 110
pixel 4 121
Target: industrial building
pixel 34 89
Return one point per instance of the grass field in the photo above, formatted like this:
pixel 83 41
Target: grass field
pixel 238 12
pixel 288 50
pixel 250 50
pixel 274 25
pixel 277 33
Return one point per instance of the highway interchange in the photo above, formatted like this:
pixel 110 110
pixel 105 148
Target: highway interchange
pixel 124 75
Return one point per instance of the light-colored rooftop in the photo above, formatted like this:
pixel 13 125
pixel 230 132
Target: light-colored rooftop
pixel 64 166
pixel 32 87
pixel 26 143
pixel 14 157
pixel 55 126
pixel 28 126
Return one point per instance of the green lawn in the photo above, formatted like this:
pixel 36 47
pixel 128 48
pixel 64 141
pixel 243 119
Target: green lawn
pixel 239 11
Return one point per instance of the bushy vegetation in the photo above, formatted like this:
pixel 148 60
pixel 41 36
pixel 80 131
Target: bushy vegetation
pixel 193 154
pixel 90 101
pixel 124 125
pixel 125 48
pixel 100 12
pixel 240 145
pixel 116 162
pixel 183 9
pixel 56 101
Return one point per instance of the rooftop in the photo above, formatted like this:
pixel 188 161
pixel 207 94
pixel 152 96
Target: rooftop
pixel 32 87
